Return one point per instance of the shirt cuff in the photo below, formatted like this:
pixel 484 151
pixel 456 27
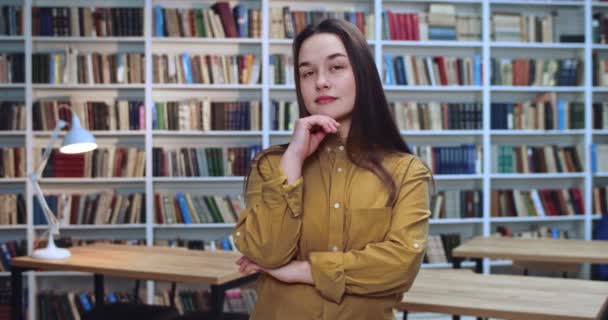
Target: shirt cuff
pixel 327 270
pixel 276 192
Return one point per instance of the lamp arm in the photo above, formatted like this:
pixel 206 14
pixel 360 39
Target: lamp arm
pixel 34 176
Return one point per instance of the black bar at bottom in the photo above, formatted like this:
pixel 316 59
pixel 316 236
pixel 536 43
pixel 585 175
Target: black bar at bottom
pixel 16 293
pixel 99 290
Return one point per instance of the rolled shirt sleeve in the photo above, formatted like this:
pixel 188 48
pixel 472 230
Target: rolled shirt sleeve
pixel 387 267
pixel 270 225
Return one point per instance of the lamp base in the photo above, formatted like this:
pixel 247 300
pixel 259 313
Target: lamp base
pixel 51 252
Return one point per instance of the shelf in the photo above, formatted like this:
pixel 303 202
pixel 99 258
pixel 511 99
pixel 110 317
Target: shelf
pixel 196 226
pixel 464 264
pixel 431 43
pixel 600 175
pixel 600 132
pixel 432 88
pixel 88 180
pixel 12 133
pixel 536 132
pixel 94 226
pixel 97 133
pixel 599 4
pixel 600 46
pixel 443 1
pixel 599 89
pixel 87 86
pixel 536 89
pixel 206 40
pixel 501 263
pixel 441 133
pixel 197 179
pixel 184 86
pixel 51 39
pixel 596 216
pixel 562 175
pixel 539 2
pixel 5 274
pixel 12 85
pixel 16 227
pixel 289 42
pixel 282 87
pixel 537 219
pixel 12 180
pixel 447 177
pixel 536 45
pixel 241 133
pixel 11 38
pixel 456 221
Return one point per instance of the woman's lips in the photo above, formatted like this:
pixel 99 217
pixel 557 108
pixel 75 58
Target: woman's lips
pixel 325 100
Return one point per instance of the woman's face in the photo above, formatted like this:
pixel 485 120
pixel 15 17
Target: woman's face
pixel 327 81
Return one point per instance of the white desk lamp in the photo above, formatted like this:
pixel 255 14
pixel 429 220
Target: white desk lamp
pixel 77 140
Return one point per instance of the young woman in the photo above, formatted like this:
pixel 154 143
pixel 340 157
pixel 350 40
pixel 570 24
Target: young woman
pixel 337 220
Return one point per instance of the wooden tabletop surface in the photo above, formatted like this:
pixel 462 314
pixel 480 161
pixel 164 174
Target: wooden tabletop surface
pixel 464 292
pixel 541 250
pixel 146 263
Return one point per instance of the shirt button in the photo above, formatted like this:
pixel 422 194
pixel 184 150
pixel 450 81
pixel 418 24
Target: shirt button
pixel 341 148
pixel 238 233
pixel 416 245
pixel 334 248
pixel 339 169
pixel 336 205
pixel 328 149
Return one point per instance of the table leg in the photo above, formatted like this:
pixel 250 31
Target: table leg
pixel 217 301
pixel 172 294
pixel 479 265
pixel 16 293
pixel 457 263
pixel 99 290
pixel 405 315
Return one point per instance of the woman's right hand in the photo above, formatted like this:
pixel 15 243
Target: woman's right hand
pixel 308 133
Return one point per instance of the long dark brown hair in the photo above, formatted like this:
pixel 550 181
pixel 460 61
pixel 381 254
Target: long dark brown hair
pixel 373 133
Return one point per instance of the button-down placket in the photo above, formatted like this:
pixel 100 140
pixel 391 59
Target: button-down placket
pixel 337 198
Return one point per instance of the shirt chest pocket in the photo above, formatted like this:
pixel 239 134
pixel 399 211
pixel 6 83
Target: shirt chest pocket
pixel 365 226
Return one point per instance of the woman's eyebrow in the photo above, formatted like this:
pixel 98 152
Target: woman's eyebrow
pixel 330 57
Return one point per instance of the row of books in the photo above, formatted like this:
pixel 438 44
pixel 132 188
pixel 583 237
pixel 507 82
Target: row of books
pixel 536 72
pixel 13 115
pixel 203 162
pixel 432 70
pixel 207 115
pixel 456 204
pixel 436 115
pixel 599 27
pixel 431 25
pixel 281 69
pixel 599 158
pixel 12 209
pixel 110 161
pixel 219 21
pixel 536 159
pixel 73 305
pixel 12 68
pixel 87 21
pixel 461 159
pixel 600 71
pixel 12 162
pixel 106 207
pixel 121 115
pixel 522 27
pixel 600 115
pixel 206 68
pixel 71 67
pixel 287 23
pixel 283 114
pixel 538 115
pixel 534 231
pixel 536 203
pixel 191 208
pixel 9 250
pixel 439 247
pixel 237 300
pixel 11 20
pixel 600 200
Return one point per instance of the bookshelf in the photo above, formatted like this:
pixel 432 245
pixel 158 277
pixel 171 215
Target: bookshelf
pixel 485 93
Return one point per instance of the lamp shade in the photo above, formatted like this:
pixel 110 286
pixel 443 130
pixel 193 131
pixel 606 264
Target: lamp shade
pixel 77 140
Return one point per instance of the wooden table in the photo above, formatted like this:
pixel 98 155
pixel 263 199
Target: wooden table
pixel 506 296
pixel 532 250
pixel 217 269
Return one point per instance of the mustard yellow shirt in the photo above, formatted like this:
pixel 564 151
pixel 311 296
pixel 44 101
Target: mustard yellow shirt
pixel 363 255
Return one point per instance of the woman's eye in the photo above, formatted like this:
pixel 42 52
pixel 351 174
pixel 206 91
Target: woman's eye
pixel 337 67
pixel 306 74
